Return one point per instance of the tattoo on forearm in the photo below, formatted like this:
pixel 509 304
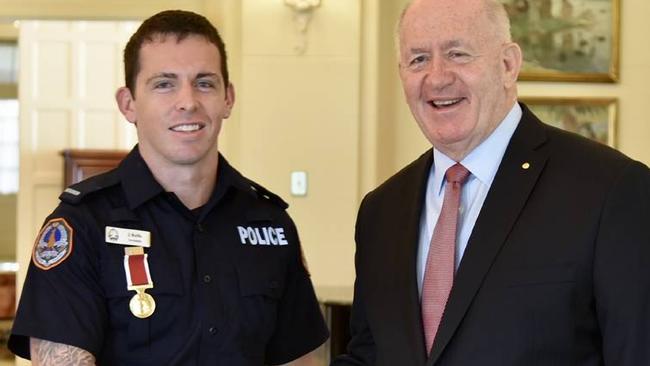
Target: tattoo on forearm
pixel 45 353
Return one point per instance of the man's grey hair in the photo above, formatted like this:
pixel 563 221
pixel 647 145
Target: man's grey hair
pixel 495 11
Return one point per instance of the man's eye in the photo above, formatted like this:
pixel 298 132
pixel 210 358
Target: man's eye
pixel 417 60
pixel 459 56
pixel 205 84
pixel 162 85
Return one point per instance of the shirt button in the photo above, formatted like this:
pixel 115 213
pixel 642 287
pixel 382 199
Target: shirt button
pixel 212 330
pixel 200 228
pixel 207 279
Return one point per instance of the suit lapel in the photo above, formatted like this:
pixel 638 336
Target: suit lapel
pixel 508 194
pixel 408 202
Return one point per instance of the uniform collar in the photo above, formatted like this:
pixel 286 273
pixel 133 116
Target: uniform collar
pixel 137 180
pixel 227 178
pixel 140 185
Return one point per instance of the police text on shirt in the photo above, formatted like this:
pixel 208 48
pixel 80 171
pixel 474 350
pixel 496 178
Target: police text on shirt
pixel 262 236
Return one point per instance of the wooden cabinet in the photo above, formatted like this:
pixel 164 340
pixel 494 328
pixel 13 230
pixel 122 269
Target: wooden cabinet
pixel 7 306
pixel 80 164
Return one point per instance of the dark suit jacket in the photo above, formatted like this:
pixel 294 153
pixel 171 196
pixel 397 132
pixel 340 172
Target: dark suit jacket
pixel 556 271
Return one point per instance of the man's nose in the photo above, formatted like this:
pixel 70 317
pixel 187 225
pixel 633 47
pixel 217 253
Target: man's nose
pixel 186 100
pixel 439 73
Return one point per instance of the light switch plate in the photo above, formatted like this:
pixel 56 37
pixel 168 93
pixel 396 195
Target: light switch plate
pixel 299 183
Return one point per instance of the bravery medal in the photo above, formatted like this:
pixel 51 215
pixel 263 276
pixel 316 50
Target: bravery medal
pixel 138 279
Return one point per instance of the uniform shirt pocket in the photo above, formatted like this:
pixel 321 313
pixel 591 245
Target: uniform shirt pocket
pixel 129 333
pixel 254 313
pixel 254 282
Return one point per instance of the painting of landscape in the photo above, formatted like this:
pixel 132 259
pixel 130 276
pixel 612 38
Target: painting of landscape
pixel 593 118
pixel 566 40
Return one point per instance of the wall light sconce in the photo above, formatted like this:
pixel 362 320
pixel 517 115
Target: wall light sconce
pixel 302 13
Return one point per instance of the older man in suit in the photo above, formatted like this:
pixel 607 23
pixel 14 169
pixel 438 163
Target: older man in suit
pixel 510 242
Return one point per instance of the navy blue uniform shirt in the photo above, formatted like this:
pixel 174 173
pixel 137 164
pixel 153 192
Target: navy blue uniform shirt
pixel 229 283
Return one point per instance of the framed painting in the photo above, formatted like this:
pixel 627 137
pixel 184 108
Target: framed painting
pixel 594 118
pixel 566 40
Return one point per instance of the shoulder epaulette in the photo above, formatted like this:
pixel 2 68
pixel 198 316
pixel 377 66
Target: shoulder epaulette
pixel 264 193
pixel 76 192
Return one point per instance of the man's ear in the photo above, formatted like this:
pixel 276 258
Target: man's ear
pixel 230 100
pixel 512 60
pixel 125 102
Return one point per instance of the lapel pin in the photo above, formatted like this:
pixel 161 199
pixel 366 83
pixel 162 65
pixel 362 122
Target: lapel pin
pixel 525 165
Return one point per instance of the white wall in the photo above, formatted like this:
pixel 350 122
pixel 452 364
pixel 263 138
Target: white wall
pixel 301 112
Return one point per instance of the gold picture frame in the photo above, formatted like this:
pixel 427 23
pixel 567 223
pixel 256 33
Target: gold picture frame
pixel 594 118
pixel 567 40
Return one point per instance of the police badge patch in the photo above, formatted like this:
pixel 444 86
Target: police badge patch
pixel 54 244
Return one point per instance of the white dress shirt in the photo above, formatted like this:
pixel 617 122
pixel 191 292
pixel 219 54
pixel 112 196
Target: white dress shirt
pixel 482 163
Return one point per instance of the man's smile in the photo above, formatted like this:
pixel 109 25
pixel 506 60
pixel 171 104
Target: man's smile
pixel 444 103
pixel 187 127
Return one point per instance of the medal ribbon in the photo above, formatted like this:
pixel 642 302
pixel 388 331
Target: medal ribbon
pixel 136 267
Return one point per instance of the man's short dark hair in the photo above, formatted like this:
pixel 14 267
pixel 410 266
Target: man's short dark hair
pixel 178 23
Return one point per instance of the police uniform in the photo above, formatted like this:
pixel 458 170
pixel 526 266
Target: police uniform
pixel 229 284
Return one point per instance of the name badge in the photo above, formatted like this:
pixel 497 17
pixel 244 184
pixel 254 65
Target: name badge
pixel 130 237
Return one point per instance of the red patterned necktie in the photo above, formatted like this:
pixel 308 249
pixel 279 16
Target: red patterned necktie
pixel 439 272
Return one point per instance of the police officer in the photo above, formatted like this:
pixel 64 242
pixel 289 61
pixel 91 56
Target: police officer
pixel 173 258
